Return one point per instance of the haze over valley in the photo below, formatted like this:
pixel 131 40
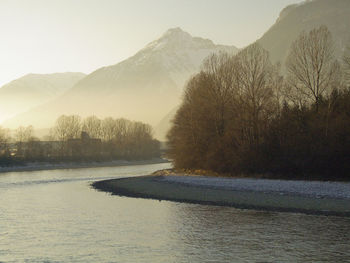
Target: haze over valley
pixel 148 86
pixel 143 87
pixel 33 90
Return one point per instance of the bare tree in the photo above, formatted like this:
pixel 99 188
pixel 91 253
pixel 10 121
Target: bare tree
pixel 257 84
pixel 92 125
pixel 195 125
pixel 108 129
pixel 24 137
pixel 312 68
pixel 346 60
pixel 277 83
pixel 347 57
pixel 67 127
pixel 122 127
pixel 4 140
pixel 219 75
pixel 24 134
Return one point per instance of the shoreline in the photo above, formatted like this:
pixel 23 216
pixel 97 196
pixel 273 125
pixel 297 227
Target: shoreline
pixel 37 166
pixel 262 176
pixel 183 189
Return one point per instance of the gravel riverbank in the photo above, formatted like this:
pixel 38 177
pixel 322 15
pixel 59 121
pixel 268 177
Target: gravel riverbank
pixel 328 198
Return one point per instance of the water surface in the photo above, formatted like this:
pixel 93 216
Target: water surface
pixel 55 216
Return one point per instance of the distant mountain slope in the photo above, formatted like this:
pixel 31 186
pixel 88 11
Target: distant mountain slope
pixel 162 128
pixel 335 14
pixel 32 90
pixel 144 87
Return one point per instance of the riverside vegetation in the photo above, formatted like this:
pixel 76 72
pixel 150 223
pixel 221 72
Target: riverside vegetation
pixel 76 139
pixel 240 114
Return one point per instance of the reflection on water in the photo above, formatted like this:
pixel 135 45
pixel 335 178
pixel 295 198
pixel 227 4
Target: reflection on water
pixel 54 216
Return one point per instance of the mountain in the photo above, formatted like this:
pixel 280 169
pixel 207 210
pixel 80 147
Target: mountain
pixel 32 90
pixel 144 87
pixel 162 128
pixel 306 16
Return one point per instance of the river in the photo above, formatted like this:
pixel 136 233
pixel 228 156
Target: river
pixel 55 216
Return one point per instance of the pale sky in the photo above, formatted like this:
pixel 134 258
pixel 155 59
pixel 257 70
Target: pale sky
pixel 47 36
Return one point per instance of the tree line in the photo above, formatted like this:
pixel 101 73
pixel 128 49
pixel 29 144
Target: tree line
pixel 243 114
pixel 73 138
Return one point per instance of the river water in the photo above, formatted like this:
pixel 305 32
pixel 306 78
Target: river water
pixel 55 216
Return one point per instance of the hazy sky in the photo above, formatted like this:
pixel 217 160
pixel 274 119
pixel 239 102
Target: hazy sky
pixel 46 36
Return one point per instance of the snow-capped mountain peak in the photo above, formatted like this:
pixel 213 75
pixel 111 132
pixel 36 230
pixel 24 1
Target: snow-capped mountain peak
pixel 178 53
pixel 176 32
pixel 176 39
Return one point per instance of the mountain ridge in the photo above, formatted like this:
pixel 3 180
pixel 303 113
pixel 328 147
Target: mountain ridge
pixel 34 89
pixel 143 87
pixel 306 16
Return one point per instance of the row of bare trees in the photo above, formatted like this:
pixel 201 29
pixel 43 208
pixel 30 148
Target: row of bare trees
pixel 240 114
pixel 120 138
pixel 74 138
